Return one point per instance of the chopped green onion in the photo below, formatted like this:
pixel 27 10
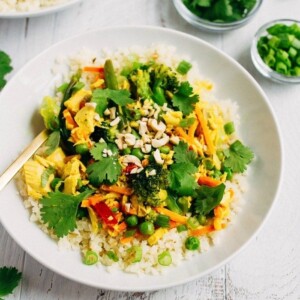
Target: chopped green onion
pixel 164 149
pixel 134 254
pixel 162 221
pixel 165 258
pixel 229 128
pixel 280 48
pixel 202 220
pixel 90 258
pixel 183 67
pixel 193 223
pixel 130 233
pixel 181 228
pixel 112 255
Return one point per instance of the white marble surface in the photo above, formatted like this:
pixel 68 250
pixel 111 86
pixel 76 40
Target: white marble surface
pixel 269 268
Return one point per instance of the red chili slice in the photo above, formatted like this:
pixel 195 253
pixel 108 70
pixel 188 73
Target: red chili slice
pixel 105 214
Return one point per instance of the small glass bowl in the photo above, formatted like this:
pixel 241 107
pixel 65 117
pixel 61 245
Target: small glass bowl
pixel 260 65
pixel 213 26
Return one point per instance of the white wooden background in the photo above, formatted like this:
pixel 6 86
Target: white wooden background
pixel 269 268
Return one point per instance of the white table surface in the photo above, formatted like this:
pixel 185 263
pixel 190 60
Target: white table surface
pixel 269 268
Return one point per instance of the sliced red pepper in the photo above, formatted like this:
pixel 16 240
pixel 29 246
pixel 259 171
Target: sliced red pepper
pixel 105 214
pixel 130 167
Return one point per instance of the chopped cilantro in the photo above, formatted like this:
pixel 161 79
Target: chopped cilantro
pixel 238 157
pixel 5 68
pixel 182 154
pixel 188 122
pixel 59 211
pixel 207 199
pixel 101 96
pixel 184 98
pixel 182 180
pixel 106 169
pixel 9 280
pixel 181 174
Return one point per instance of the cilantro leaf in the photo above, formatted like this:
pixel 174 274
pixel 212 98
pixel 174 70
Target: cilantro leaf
pixel 184 98
pixel 188 122
pixel 184 155
pixel 101 96
pixel 59 211
pixel 181 178
pixel 106 170
pixel 207 199
pixel 97 150
pixel 9 280
pixel 52 142
pixel 238 157
pixel 5 68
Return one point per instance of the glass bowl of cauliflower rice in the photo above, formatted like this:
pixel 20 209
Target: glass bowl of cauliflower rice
pixel 150 165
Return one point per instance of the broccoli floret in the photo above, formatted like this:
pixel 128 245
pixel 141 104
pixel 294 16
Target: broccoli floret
pixel 139 82
pixel 105 132
pixel 162 79
pixel 148 186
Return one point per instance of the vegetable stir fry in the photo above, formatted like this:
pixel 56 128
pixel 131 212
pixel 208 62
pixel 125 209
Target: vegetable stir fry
pixel 137 152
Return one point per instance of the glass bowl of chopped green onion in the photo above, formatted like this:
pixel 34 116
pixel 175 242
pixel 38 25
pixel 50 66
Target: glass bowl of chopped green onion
pixel 216 15
pixel 275 50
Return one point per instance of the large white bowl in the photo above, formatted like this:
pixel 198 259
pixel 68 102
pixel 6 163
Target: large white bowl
pixel 20 122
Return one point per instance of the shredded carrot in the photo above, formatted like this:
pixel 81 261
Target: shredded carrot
pixel 70 122
pixel 93 69
pixel 208 181
pixel 117 189
pixel 125 240
pixel 91 201
pixel 173 224
pixel 192 130
pixel 122 226
pixel 202 230
pixel 182 134
pixel 173 216
pixel 202 121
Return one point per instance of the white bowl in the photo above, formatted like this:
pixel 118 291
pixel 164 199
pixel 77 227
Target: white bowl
pixel 19 122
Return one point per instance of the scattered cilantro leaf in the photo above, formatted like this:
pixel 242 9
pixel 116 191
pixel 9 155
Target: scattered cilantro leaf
pixel 182 154
pixel 45 175
pixel 9 280
pixel 207 199
pixel 97 150
pixel 52 142
pixel 181 178
pixel 188 122
pixel 238 157
pixel 59 211
pixel 101 97
pixel 107 170
pixel 184 98
pixel 5 68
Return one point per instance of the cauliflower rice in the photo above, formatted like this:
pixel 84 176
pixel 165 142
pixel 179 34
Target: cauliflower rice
pixel 83 239
pixel 27 5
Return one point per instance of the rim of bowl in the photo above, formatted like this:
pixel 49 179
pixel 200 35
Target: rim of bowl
pixel 260 65
pixel 213 26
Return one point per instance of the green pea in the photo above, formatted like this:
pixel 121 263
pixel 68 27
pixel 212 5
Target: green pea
pixel 81 149
pixel 138 153
pixel 164 149
pixel 146 228
pixel 126 151
pixel 132 221
pixel 192 243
